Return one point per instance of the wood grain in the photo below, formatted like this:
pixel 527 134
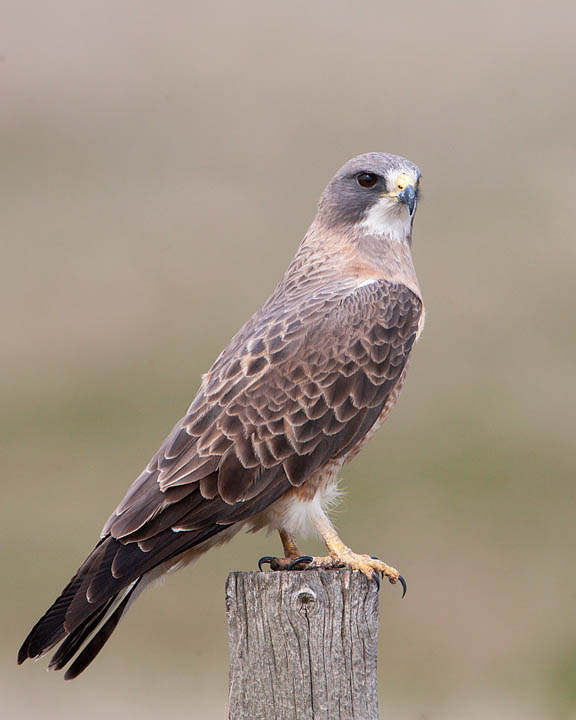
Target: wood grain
pixel 302 645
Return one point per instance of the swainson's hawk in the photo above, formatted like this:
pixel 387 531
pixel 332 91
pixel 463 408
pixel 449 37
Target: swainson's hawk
pixel 294 395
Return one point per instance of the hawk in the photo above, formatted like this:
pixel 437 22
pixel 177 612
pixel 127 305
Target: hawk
pixel 296 393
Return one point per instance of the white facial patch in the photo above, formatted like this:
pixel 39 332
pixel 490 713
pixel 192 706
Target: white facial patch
pixel 388 218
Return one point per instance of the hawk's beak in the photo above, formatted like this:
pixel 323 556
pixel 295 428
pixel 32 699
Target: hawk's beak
pixel 408 197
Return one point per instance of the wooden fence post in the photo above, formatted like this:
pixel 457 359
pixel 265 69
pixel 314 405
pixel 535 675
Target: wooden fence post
pixel 303 645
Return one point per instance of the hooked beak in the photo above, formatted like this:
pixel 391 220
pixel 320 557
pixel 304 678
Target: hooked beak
pixel 408 197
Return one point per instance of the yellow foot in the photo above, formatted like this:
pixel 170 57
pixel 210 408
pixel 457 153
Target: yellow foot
pixel 340 556
pixel 368 564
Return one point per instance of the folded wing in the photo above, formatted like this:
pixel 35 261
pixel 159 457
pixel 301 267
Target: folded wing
pixel 301 383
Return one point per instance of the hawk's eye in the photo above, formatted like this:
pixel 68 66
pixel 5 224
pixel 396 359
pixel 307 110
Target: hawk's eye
pixel 367 180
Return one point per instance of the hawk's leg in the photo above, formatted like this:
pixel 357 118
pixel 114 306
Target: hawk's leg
pixel 341 555
pixel 291 555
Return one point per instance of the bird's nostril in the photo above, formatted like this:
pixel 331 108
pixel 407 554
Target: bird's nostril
pixel 402 181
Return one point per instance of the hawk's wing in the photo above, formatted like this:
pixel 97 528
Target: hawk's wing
pixel 300 384
pixel 285 397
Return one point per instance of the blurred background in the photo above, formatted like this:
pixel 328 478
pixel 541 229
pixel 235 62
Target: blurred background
pixel 160 164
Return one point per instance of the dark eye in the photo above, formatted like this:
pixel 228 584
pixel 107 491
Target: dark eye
pixel 367 180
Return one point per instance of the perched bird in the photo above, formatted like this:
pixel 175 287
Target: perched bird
pixel 294 395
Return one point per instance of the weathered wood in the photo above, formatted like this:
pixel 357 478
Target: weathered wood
pixel 302 645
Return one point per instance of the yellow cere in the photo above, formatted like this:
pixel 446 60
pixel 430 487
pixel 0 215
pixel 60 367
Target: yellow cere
pixel 402 181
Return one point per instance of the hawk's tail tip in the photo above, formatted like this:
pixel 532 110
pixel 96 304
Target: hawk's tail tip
pixel 85 641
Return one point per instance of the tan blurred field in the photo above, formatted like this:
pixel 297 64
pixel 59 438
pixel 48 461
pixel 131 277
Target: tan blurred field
pixel 160 164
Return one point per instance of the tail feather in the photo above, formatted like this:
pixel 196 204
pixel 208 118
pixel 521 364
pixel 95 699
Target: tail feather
pixel 76 639
pixel 100 638
pixel 50 630
pixel 55 624
pixel 93 602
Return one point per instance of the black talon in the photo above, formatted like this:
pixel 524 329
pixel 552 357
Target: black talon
pixel 376 578
pixel 265 559
pixel 301 559
pixel 403 583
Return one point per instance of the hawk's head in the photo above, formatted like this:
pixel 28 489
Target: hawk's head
pixel 376 193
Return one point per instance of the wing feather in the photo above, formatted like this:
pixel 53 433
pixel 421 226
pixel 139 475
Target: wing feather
pixel 302 383
pixel 292 390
